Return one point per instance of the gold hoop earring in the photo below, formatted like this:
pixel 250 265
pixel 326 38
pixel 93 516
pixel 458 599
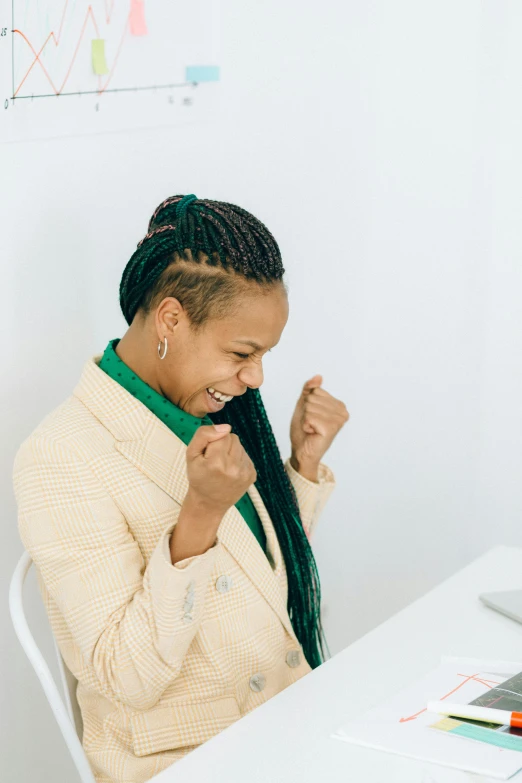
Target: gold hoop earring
pixel 165 351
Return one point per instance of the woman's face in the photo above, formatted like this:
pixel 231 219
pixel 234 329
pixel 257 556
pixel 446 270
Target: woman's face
pixel 218 357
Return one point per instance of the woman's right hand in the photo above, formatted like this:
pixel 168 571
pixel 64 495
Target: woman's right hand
pixel 219 472
pixel 218 468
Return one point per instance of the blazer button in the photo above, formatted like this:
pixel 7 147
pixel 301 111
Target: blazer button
pixel 293 658
pixel 223 583
pixel 257 682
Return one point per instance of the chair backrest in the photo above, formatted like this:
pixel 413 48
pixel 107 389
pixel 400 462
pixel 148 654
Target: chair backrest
pixel 67 715
pixel 69 685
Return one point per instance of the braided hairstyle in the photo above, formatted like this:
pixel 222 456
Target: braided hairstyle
pixel 202 252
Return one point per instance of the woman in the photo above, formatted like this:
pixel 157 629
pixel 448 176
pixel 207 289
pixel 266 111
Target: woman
pixel 170 540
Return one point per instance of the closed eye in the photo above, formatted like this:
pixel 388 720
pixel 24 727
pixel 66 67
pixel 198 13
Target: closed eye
pixel 246 355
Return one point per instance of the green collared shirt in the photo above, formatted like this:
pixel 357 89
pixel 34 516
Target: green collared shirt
pixel 182 424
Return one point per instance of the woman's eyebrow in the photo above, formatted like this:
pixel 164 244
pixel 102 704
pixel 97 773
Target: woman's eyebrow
pixel 251 343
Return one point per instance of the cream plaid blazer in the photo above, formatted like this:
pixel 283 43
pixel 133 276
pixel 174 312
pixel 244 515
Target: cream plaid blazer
pixel 165 656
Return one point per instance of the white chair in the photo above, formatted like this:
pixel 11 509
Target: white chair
pixel 68 715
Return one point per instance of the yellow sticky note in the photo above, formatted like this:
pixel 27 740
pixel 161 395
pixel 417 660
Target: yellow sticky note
pixel 446 724
pixel 99 63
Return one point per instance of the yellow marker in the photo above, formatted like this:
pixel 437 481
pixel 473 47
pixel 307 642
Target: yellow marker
pixel 99 63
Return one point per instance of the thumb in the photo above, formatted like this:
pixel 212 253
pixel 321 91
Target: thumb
pixel 205 435
pixel 312 383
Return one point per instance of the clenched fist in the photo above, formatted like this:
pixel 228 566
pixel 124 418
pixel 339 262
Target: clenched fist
pixel 218 468
pixel 219 472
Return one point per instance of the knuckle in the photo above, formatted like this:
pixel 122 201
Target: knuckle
pixel 215 466
pixel 343 410
pixel 233 471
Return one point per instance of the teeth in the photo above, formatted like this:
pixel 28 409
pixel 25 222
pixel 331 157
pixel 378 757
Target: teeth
pixel 220 397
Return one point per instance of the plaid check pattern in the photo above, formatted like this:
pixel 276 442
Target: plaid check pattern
pixel 163 656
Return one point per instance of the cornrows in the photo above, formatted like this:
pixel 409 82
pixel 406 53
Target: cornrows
pixel 218 227
pixel 217 235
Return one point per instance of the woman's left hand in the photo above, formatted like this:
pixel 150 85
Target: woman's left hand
pixel 317 419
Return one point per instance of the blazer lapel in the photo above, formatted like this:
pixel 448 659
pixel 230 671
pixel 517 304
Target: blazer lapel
pixel 156 451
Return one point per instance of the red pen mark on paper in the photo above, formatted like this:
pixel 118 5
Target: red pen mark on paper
pixel 467 677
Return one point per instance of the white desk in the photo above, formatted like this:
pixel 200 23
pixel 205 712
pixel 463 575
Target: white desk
pixel 287 739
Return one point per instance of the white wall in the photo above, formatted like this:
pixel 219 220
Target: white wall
pixel 499 480
pixel 380 142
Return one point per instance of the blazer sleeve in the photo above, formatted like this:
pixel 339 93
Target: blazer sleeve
pixel 311 495
pixel 133 624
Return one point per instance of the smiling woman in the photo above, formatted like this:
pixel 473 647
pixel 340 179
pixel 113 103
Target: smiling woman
pixel 202 368
pixel 171 538
pixel 224 269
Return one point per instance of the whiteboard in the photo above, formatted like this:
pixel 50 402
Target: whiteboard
pixel 86 66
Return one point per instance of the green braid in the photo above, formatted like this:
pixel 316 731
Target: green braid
pixel 201 252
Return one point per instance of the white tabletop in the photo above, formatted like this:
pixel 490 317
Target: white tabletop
pixel 288 738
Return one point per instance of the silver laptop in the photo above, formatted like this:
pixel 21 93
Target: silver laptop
pixel 508 603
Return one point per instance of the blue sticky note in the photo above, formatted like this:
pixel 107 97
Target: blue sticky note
pixel 499 738
pixel 202 73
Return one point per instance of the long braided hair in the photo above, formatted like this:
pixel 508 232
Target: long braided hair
pixel 201 252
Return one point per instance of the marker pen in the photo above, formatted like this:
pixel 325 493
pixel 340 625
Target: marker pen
pixel 474 712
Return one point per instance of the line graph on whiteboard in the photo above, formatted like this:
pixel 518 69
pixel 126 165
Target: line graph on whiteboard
pixel 94 65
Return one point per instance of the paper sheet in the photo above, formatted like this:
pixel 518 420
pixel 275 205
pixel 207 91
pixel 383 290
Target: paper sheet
pixel 402 724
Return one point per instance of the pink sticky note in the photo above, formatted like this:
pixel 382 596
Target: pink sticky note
pixel 138 25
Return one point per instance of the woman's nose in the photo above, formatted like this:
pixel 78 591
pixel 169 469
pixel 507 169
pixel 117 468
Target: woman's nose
pixel 252 377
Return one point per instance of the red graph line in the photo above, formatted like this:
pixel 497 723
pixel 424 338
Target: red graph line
pixel 108 11
pixel 36 60
pixel 55 38
pixel 109 8
pixel 109 77
pixel 57 41
pixel 494 702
